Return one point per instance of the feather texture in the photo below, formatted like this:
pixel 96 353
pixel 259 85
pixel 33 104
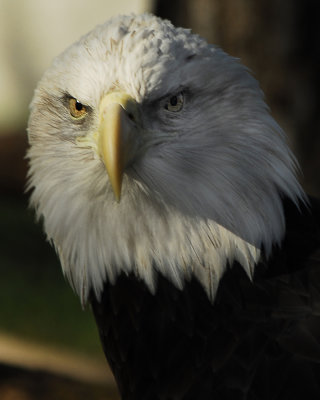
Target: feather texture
pixel 260 341
pixel 206 192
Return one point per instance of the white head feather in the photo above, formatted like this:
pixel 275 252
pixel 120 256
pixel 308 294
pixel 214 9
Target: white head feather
pixel 207 193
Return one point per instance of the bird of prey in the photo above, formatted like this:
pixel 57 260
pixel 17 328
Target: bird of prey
pixel 171 197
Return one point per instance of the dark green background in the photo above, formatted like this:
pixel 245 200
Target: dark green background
pixel 36 302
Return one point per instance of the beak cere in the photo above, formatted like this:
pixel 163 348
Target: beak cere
pixel 118 135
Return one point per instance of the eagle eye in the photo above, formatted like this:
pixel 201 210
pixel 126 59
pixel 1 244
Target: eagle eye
pixel 174 103
pixel 77 109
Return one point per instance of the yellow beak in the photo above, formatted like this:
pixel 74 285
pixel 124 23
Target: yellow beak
pixel 117 135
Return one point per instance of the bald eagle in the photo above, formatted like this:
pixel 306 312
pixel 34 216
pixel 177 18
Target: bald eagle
pixel 171 197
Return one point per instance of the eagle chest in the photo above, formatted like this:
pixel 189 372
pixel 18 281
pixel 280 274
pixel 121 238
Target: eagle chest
pixel 177 344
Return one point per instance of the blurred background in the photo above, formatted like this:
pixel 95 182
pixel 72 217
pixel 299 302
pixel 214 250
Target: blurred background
pixel 49 346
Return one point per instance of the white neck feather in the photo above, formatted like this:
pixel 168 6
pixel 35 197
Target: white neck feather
pixel 98 239
pixel 209 196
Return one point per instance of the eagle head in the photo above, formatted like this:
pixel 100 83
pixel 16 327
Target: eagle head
pixel 154 151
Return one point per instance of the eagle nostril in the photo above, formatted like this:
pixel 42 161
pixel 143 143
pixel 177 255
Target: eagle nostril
pixel 131 116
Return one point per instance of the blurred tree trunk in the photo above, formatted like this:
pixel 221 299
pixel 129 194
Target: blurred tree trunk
pixel 279 41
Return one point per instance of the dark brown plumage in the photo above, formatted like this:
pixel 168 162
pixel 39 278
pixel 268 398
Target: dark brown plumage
pixel 260 340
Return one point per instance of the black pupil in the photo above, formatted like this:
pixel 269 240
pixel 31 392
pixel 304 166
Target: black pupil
pixel 174 101
pixel 79 106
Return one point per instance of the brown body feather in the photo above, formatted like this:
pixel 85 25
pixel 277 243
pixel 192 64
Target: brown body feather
pixel 259 340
